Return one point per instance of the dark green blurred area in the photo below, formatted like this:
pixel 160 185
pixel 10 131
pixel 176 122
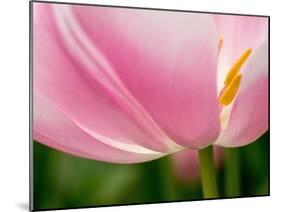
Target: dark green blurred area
pixel 65 181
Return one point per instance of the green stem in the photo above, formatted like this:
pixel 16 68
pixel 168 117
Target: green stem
pixel 167 178
pixel 208 173
pixel 232 172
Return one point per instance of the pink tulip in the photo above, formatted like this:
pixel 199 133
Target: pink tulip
pixel 246 118
pixel 125 85
pixel 187 167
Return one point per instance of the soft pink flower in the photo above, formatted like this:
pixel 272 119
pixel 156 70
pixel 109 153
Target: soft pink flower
pixel 248 114
pixel 187 166
pixel 124 85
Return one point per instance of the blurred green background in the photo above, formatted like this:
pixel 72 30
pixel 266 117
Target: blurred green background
pixel 65 181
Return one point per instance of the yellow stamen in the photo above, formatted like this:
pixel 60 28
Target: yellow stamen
pixel 236 67
pixel 220 42
pixel 230 91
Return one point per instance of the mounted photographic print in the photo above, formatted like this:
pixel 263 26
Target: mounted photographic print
pixel 138 105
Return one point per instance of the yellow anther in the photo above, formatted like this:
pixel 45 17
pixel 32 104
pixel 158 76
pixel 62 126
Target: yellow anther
pixel 220 42
pixel 230 91
pixel 236 67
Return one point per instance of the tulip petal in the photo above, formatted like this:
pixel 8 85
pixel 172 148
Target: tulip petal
pixel 94 105
pixel 238 34
pixel 249 115
pixel 167 60
pixel 54 128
